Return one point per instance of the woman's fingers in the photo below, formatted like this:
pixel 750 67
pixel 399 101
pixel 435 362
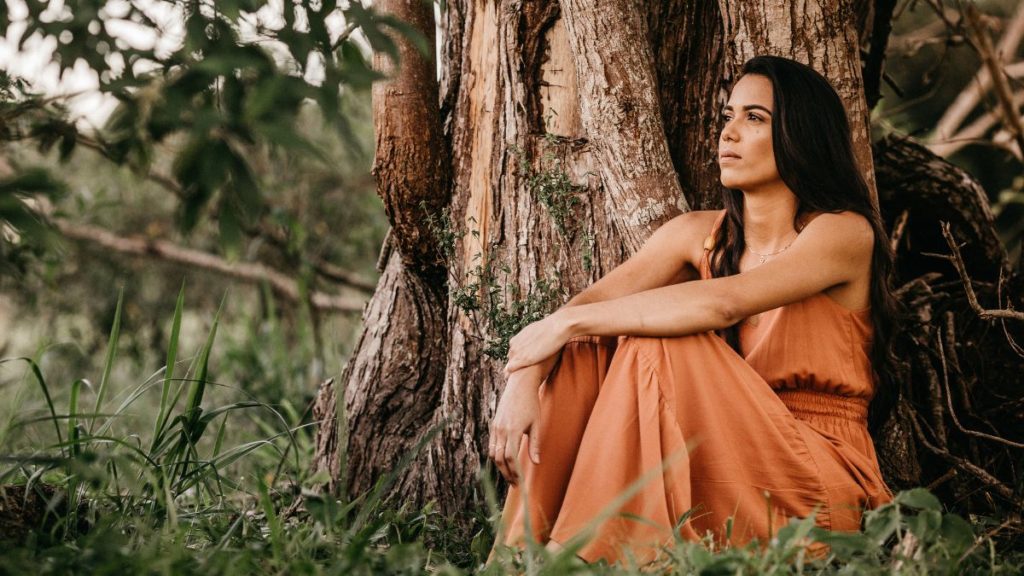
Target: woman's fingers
pixel 492 444
pixel 534 436
pixel 499 454
pixel 504 451
pixel 513 365
pixel 512 456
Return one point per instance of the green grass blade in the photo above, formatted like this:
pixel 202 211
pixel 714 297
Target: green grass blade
pixel 115 334
pixel 220 437
pixel 273 522
pixel 198 388
pixel 172 357
pixel 46 393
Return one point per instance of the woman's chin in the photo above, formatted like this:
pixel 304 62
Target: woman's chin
pixel 731 183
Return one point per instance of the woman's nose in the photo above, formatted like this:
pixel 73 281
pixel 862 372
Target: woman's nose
pixel 728 133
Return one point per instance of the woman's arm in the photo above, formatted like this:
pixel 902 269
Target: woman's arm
pixel 833 249
pixel 666 258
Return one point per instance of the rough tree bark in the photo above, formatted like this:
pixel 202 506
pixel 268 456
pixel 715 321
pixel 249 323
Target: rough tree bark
pixel 566 134
pixel 391 382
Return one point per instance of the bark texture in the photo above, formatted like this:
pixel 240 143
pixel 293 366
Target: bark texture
pixel 392 381
pixel 394 378
pixel 409 160
pixel 686 41
pixel 620 112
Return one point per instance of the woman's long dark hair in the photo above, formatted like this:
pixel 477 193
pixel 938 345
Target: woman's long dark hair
pixel 814 156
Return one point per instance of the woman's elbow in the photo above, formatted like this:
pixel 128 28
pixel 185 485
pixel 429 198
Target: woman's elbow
pixel 725 312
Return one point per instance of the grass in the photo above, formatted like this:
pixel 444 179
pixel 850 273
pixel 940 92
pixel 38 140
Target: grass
pixel 93 482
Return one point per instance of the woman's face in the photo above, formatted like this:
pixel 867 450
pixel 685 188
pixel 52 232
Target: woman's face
pixel 745 153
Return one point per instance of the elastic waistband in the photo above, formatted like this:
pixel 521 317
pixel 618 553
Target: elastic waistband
pixel 811 403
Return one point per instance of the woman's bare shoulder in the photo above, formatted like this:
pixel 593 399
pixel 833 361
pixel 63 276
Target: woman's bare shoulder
pixel 695 224
pixel 694 221
pixel 688 231
pixel 849 226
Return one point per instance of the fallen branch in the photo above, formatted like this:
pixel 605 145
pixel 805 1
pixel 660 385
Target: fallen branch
pixel 982 81
pixel 897 230
pixel 260 229
pixel 251 272
pixel 992 61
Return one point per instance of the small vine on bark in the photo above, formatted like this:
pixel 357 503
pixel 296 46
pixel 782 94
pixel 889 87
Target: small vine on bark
pixel 498 310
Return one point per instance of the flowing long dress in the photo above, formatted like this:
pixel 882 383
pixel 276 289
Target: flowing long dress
pixel 781 428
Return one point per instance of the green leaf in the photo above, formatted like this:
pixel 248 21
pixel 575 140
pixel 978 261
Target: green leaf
pixel 844 544
pixel 957 532
pixel 919 498
pixel 881 523
pixel 925 525
pixel 229 227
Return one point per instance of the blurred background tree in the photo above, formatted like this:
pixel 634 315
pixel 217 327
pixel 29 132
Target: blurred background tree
pixel 237 157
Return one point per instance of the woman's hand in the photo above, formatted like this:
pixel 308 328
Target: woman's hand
pixel 537 342
pixel 518 413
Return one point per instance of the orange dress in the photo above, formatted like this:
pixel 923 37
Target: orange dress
pixel 782 428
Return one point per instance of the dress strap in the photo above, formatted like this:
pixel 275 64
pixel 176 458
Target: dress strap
pixel 709 245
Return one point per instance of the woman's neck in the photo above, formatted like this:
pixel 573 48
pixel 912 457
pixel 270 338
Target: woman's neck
pixel 768 219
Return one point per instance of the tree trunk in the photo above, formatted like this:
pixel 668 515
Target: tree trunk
pixel 573 132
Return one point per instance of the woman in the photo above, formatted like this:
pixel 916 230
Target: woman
pixel 742 394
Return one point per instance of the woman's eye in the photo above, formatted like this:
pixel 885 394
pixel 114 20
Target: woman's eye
pixel 754 117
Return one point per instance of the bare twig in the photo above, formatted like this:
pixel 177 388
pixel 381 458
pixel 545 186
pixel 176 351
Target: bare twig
pixel 961 463
pixel 1009 337
pixel 166 182
pixel 168 251
pixel 951 473
pixel 952 412
pixel 979 541
pixel 935 408
pixel 1002 88
pixel 973 133
pixel 874 63
pixel 972 298
pixel 349 28
pixel 897 230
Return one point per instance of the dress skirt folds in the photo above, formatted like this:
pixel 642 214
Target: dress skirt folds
pixel 777 433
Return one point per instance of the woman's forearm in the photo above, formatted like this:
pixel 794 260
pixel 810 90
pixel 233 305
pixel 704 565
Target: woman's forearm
pixel 595 294
pixel 676 310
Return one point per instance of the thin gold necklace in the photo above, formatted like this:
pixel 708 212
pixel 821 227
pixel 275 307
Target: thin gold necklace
pixel 756 318
pixel 761 257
